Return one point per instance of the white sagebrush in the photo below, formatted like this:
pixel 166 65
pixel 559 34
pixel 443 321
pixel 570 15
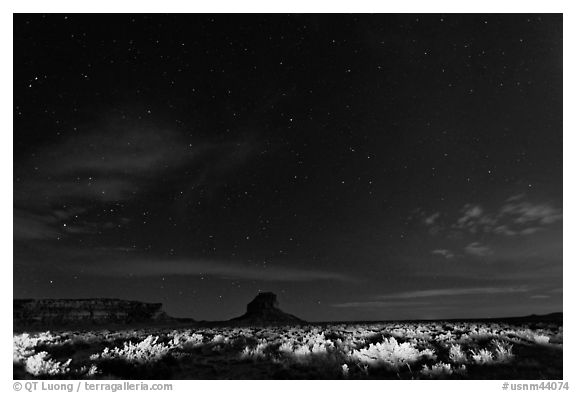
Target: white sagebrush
pixel 483 356
pixel 456 354
pixel 301 351
pixel 220 339
pixel 502 351
pixel 442 370
pixel 256 352
pixel 287 346
pixel 23 347
pixel 186 339
pixel 437 370
pixel 24 344
pixel 541 339
pixel 146 351
pixel 389 353
pixel 41 364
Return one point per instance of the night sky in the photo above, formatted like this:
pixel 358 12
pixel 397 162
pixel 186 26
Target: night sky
pixel 362 167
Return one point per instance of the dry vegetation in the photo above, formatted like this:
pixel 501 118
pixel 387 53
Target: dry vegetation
pixel 379 350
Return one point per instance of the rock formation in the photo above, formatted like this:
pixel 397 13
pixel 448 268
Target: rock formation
pixel 85 311
pixel 263 310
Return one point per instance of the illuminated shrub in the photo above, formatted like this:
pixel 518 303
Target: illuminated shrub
pixel 40 364
pixel 388 353
pixel 146 351
pixel 483 356
pixel 456 354
pixel 503 351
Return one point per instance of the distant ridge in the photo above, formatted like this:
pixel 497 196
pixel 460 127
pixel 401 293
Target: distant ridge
pixel 95 311
pixel 111 312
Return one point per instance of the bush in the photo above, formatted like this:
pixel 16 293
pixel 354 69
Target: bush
pixel 389 354
pixel 41 364
pixel 503 351
pixel 456 354
pixel 442 370
pixel 146 351
pixel 483 356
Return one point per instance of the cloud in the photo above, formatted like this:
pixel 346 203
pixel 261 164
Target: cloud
pixel 516 197
pixel 58 224
pixel 470 212
pixel 505 230
pixel 517 217
pixel 405 299
pixel 453 292
pixel 443 252
pixel 526 212
pixel 117 162
pixel 478 250
pixel 379 304
pixel 474 219
pixel 117 149
pixel 111 165
pixel 108 165
pixel 540 297
pixel 233 270
pixel 30 226
pixel 430 220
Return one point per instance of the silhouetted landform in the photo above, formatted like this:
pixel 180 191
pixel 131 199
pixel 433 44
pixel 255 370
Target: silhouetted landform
pixel 263 310
pixel 38 314
pixel 552 317
pixel 78 312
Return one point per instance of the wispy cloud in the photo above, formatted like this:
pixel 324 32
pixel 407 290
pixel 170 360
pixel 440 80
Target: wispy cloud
pixel 108 166
pixel 431 219
pixel 58 224
pixel 507 231
pixel 475 220
pixel 530 213
pixel 412 298
pixel 146 267
pixel 470 214
pixel 453 292
pixel 31 226
pixel 443 252
pixel 516 217
pixel 478 250
pixel 379 304
pixel 115 164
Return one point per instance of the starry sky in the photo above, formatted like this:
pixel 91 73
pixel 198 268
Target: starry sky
pixel 362 167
